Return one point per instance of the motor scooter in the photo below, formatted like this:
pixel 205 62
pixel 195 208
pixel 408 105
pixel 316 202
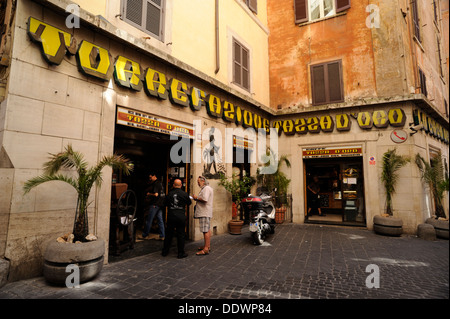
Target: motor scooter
pixel 261 211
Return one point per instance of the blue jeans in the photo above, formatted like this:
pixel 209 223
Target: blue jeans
pixel 154 210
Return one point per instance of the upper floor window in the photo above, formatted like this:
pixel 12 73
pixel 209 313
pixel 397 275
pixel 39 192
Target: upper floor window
pixel 446 108
pixel 311 10
pixel 326 83
pixel 241 65
pixel 439 57
pixel 435 11
pixel 252 5
pixel 423 82
pixel 146 15
pixel 415 17
pixel 320 9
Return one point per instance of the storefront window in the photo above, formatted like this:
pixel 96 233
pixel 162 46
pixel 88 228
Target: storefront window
pixel 334 190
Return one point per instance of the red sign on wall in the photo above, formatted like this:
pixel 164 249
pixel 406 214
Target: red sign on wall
pixel 332 152
pixel 149 122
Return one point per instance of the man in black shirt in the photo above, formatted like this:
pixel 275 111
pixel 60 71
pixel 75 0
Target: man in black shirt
pixel 176 202
pixel 154 200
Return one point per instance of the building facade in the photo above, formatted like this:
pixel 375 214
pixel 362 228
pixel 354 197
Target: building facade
pixel 348 80
pixel 125 77
pixel 180 86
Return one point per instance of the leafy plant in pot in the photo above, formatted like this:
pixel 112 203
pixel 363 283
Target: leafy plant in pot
pixel 386 224
pixel 239 188
pixel 433 174
pixel 276 181
pixel 84 249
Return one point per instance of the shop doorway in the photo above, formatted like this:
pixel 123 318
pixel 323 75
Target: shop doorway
pixel 148 151
pixel 334 191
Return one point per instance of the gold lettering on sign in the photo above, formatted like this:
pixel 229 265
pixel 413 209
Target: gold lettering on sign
pixel 155 84
pixel 55 43
pixel 94 60
pixel 127 73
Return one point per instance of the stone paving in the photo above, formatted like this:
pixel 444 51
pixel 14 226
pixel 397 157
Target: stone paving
pixel 297 262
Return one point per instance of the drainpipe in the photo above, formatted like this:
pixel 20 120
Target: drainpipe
pixel 217 38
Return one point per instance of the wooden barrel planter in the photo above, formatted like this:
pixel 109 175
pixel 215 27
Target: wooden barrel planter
pixel 388 226
pixel 87 256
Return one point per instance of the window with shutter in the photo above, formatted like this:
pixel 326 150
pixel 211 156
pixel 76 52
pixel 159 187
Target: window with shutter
pixel 252 5
pixel 326 83
pixel 146 15
pixel 435 11
pixel 241 65
pixel 318 84
pixel 446 108
pixel 439 56
pixel 134 11
pixel 334 81
pixel 415 16
pixel 342 5
pixel 301 11
pixel 423 82
pixel 311 10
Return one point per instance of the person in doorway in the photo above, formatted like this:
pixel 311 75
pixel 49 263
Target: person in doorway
pixel 313 197
pixel 176 202
pixel 154 200
pixel 203 212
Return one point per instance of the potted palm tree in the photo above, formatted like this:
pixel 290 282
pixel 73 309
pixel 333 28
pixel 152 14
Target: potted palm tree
pixel 79 247
pixel 386 224
pixel 433 174
pixel 239 188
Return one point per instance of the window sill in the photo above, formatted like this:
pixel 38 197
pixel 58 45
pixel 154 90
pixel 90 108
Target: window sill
pixel 322 19
pixel 326 103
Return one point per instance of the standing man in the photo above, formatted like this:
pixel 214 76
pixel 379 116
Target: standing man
pixel 176 201
pixel 154 200
pixel 313 197
pixel 204 212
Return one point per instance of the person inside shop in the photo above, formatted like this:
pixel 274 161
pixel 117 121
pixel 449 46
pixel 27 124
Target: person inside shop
pixel 154 201
pixel 203 212
pixel 176 202
pixel 313 197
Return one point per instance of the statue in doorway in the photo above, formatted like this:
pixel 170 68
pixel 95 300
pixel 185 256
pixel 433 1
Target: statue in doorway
pixel 212 157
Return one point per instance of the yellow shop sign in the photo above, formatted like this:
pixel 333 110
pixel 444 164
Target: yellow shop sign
pixel 341 122
pixel 96 61
pixel 430 125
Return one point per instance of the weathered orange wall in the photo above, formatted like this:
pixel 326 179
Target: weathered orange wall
pixel 293 48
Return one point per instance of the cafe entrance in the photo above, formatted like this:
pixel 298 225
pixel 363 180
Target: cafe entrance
pixel 149 150
pixel 334 186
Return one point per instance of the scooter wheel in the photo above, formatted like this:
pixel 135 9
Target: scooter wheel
pixel 257 238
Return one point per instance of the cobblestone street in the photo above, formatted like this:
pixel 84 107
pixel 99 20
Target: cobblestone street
pixel 298 261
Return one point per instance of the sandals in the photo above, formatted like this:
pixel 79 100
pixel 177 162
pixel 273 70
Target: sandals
pixel 203 248
pixel 202 253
